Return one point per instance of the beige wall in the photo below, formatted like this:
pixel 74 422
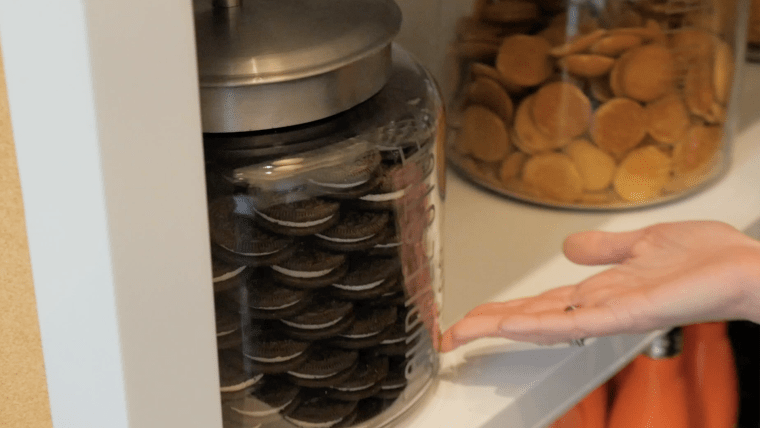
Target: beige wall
pixel 23 392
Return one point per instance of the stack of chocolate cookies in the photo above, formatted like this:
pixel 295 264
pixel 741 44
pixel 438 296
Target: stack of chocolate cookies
pixel 314 326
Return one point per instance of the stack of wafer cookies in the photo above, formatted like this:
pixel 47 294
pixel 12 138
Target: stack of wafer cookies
pixel 598 107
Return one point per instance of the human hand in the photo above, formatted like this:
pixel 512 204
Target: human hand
pixel 664 275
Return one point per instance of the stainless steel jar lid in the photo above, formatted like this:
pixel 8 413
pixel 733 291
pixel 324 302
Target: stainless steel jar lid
pixel 267 64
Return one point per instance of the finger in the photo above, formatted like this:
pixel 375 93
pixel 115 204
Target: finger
pixel 557 297
pixel 469 329
pixel 600 248
pixel 556 326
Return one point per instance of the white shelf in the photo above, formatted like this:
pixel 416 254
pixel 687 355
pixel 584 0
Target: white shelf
pixel 498 249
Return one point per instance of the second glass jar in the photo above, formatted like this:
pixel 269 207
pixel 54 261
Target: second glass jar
pixel 593 105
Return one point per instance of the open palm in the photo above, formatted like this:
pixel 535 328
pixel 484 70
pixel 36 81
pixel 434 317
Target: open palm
pixel 662 276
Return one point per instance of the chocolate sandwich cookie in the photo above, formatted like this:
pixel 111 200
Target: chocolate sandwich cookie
pixel 390 243
pixel 227 322
pixel 325 367
pixel 310 268
pixel 273 395
pixel 235 374
pixel 367 278
pixel 386 194
pixel 395 381
pixel 348 180
pixel 266 300
pixel 229 340
pixel 395 296
pixel 364 382
pixel 368 408
pixel 237 240
pixel 356 231
pixel 324 318
pixel 371 325
pixel 399 341
pixel 271 352
pixel 301 218
pixel 227 275
pixel 382 294
pixel 318 411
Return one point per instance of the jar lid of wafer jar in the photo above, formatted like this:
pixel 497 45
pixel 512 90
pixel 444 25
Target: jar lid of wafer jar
pixel 266 64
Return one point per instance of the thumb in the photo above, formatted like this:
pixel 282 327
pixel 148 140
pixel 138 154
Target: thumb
pixel 600 248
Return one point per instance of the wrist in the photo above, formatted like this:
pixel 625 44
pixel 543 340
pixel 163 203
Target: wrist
pixel 748 283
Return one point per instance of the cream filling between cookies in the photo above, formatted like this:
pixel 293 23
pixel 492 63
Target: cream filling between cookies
pixel 266 253
pixel 382 197
pixel 274 359
pixel 339 185
pixel 228 275
pixel 226 332
pixel 391 245
pixel 274 308
pixel 392 341
pixel 303 424
pixel 240 386
pixel 359 287
pixel 268 410
pixel 393 386
pixel 360 336
pixel 295 223
pixel 308 376
pixel 311 326
pixel 354 389
pixel 301 273
pixel 344 240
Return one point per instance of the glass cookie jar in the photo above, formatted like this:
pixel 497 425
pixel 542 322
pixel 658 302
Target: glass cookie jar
pixel 594 105
pixel 325 232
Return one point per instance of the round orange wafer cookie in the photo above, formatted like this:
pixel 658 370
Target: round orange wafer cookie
pixel 523 60
pixel 697 149
pixel 512 167
pixel 587 65
pixel 527 136
pixel 600 90
pixel 553 175
pixel 483 134
pixel 561 110
pixel 508 11
pixel 698 91
pixel 595 166
pixel 478 69
pixel 650 32
pixel 668 119
pixel 723 72
pixel 491 94
pixel 616 75
pixel 615 44
pixel 692 45
pixel 642 174
pixel 649 73
pixel 555 34
pixel 579 44
pixel 476 49
pixel 619 125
